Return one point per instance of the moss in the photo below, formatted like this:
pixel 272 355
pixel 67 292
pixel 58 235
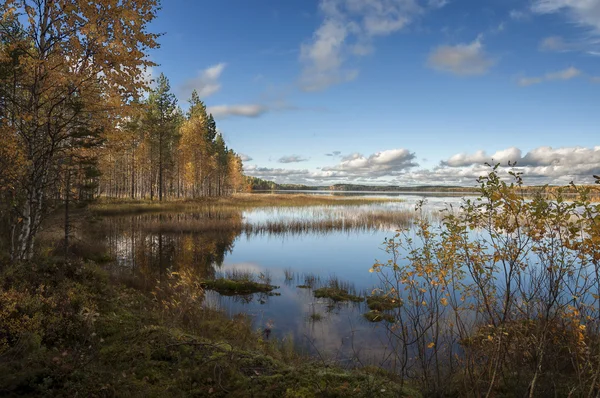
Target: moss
pixel 382 303
pixel 377 316
pixel 237 287
pixel 337 295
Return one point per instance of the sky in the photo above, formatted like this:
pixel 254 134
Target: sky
pixel 403 92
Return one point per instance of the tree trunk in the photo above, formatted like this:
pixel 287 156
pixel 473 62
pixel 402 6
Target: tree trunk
pixel 67 220
pixel 160 169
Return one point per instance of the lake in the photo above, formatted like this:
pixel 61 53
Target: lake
pixel 148 253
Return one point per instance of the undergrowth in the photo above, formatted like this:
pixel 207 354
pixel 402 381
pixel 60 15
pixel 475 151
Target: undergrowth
pixel 73 330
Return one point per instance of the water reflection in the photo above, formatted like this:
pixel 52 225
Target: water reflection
pixel 148 246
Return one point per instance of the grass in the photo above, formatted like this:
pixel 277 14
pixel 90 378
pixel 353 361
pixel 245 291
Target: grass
pixel 382 303
pixel 326 220
pixel 309 281
pixel 108 206
pixel 337 295
pixel 236 282
pixel 377 316
pixel 365 221
pixel 338 291
pixel 288 274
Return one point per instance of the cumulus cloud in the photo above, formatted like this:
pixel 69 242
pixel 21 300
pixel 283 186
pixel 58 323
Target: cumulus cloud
pixel 565 74
pixel 292 159
pixel 244 157
pixel 356 168
pixel 480 157
pixel 348 30
pixel 206 83
pixel 334 153
pixel 386 163
pixel 462 59
pixel 540 165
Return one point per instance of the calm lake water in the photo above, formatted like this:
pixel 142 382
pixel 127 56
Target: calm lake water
pixel 341 331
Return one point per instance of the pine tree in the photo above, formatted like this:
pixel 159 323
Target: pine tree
pixel 162 121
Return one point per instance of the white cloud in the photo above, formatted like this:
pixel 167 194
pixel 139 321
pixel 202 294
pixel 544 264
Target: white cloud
pixel 565 74
pixel 355 168
pixel 323 58
pixel 585 13
pixel 206 83
pixel 246 110
pixel 556 43
pixel 462 59
pixel 244 157
pixel 348 30
pixel 386 163
pixel 480 157
pixel 292 159
pixel 540 165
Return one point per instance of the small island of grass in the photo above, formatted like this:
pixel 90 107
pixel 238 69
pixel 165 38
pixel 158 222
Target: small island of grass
pixel 383 303
pixel 337 295
pixel 378 316
pixel 231 287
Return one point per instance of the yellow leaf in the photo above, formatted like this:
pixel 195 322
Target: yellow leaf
pixel 431 345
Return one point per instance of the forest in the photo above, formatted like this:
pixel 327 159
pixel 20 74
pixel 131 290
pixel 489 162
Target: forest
pixel 79 119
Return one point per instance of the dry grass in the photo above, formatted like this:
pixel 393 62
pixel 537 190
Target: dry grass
pixel 228 220
pixel 106 206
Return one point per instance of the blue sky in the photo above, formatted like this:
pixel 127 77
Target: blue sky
pixel 393 91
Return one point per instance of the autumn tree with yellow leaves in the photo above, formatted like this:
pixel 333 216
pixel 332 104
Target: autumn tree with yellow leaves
pixel 75 67
pixel 159 152
pixel 502 297
pixel 77 119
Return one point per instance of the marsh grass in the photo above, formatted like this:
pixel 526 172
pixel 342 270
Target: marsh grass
pixel 382 303
pixel 334 222
pixel 240 282
pixel 337 291
pixel 231 220
pixel 308 281
pixel 288 274
pixel 108 207
pixel 378 316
